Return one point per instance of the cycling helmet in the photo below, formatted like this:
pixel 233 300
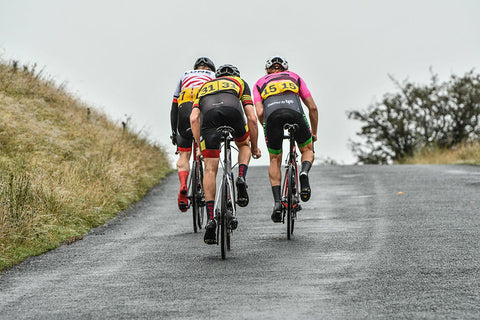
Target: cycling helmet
pixel 227 70
pixel 273 60
pixel 204 61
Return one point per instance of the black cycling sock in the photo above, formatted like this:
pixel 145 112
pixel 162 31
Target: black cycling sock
pixel 276 193
pixel 306 165
pixel 209 205
pixel 242 170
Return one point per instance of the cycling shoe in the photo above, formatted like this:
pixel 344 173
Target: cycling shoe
pixel 277 212
pixel 304 187
pixel 210 232
pixel 232 221
pixel 242 195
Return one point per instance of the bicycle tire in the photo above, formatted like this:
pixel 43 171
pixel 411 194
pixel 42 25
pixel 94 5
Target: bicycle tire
pixel 223 220
pixel 289 201
pixel 194 200
pixel 200 197
pixel 233 202
pixel 294 196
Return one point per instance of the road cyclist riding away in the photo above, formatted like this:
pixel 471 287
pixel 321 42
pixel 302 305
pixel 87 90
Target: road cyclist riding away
pixel 185 92
pixel 224 101
pixel 277 101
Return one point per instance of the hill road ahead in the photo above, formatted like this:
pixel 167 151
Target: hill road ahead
pixel 373 242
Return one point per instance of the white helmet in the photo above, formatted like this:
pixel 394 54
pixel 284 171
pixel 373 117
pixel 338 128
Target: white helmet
pixel 273 60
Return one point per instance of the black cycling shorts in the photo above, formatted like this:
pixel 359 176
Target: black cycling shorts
pixel 216 117
pixel 274 133
pixel 184 133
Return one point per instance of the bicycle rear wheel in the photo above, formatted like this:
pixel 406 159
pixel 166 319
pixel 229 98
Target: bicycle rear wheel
pixel 201 196
pixel 224 237
pixel 290 182
pixel 194 200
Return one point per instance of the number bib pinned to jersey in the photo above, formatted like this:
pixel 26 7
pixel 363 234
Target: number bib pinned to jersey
pixel 220 85
pixel 187 95
pixel 279 87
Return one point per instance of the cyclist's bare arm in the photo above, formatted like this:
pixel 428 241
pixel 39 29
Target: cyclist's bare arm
pixel 253 128
pixel 195 124
pixel 259 108
pixel 313 115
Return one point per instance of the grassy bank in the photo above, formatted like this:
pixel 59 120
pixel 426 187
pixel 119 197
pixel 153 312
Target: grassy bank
pixel 64 167
pixel 468 153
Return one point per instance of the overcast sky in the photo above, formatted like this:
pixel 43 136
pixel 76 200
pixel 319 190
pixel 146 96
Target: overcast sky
pixel 125 57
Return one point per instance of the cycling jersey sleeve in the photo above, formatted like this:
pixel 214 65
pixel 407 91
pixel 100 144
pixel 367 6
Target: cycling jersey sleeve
pixel 177 91
pixel 256 94
pixel 174 108
pixel 246 97
pixel 174 116
pixel 304 93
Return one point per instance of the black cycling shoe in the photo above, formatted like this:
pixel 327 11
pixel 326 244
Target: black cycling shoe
pixel 242 195
pixel 210 236
pixel 232 221
pixel 277 212
pixel 304 187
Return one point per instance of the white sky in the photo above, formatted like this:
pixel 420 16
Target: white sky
pixel 125 57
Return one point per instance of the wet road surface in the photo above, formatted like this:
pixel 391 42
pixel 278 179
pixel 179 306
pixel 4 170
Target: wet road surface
pixel 373 242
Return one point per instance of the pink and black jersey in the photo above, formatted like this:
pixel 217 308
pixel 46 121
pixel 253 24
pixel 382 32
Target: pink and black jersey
pixel 280 83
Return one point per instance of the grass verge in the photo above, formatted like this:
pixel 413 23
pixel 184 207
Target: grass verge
pixel 467 153
pixel 64 167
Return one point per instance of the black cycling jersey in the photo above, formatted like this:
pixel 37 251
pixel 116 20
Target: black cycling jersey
pixel 221 102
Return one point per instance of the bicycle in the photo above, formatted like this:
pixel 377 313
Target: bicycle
pixel 225 203
pixel 196 195
pixel 291 196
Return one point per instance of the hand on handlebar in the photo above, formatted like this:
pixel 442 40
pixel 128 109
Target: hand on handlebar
pixel 173 137
pixel 256 153
pixel 198 152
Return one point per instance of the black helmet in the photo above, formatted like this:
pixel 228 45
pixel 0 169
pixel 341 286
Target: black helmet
pixel 227 70
pixel 204 61
pixel 273 60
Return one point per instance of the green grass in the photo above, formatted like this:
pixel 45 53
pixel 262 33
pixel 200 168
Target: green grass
pixel 467 153
pixel 64 167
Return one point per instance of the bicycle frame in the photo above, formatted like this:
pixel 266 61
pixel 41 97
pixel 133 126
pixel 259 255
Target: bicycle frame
pixel 225 195
pixel 290 194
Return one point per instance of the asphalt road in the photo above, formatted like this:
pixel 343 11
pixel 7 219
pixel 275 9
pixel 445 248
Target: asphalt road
pixel 373 242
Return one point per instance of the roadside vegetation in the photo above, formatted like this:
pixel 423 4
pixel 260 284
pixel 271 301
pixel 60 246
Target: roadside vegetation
pixel 438 122
pixel 64 167
pixel 465 153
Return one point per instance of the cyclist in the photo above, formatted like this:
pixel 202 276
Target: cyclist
pixel 185 91
pixel 277 101
pixel 225 100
